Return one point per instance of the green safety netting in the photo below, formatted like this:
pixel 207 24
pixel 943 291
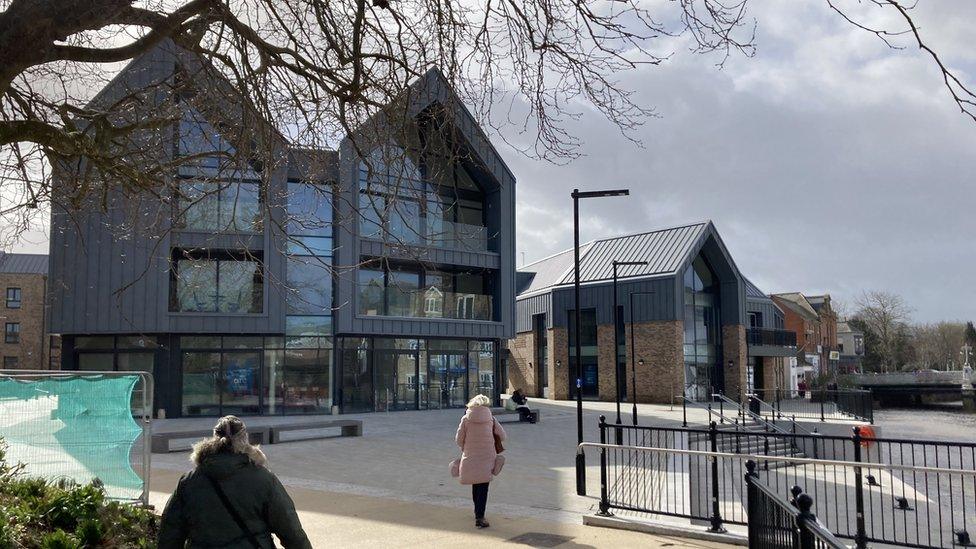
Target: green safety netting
pixel 77 427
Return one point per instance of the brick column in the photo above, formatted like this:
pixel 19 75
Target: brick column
pixel 559 374
pixel 734 349
pixel 521 364
pixel 606 358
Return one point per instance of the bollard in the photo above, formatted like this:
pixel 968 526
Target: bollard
pixel 716 510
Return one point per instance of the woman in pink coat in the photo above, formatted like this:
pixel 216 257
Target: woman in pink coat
pixel 475 437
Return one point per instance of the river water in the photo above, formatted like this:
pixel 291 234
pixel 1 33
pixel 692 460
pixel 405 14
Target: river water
pixel 946 422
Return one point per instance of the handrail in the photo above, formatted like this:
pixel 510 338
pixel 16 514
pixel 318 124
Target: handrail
pixel 581 447
pixel 711 412
pixel 795 425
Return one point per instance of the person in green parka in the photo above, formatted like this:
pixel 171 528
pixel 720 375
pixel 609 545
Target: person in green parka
pixel 230 499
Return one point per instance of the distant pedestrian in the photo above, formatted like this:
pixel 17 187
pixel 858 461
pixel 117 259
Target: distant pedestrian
pixel 479 437
pixel 230 499
pixel 522 406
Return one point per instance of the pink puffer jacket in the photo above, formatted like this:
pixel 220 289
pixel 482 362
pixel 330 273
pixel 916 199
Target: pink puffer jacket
pixel 474 437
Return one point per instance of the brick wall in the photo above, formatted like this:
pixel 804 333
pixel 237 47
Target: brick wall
pixel 659 345
pixel 521 364
pixel 605 361
pixel 559 373
pixel 734 349
pixel 32 350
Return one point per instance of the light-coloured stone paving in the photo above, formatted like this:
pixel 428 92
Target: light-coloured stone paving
pixel 392 485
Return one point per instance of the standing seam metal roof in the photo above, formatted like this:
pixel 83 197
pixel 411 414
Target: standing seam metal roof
pixel 23 263
pixel 664 250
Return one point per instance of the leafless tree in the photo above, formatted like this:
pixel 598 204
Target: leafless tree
pixel 937 346
pixel 887 316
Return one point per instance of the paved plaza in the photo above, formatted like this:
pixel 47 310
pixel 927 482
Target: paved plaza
pixel 392 485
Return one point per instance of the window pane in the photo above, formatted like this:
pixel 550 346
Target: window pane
pixel 200 342
pixel 240 207
pixel 138 362
pixel 308 326
pixel 402 293
pixel 200 205
pixel 372 210
pixel 96 362
pixel 240 289
pixel 307 388
pixel 405 223
pixel 371 292
pixel 310 245
pixel 243 342
pixel 309 209
pixel 201 384
pixel 136 342
pixel 94 342
pixel 309 286
pixel 274 382
pixel 196 285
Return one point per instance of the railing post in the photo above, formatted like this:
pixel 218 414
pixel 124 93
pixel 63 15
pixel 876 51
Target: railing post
pixel 823 396
pixel 716 510
pixel 604 498
pixel 684 411
pixel 766 452
pixel 619 437
pixel 860 538
pixel 752 511
pixel 721 410
pixel 804 503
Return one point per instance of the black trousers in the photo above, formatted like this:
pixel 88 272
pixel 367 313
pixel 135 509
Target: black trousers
pixel 479 493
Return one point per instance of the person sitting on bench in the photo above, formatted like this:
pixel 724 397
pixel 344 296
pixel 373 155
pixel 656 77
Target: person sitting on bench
pixel 522 405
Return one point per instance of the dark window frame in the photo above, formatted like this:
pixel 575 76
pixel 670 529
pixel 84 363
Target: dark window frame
pixel 218 256
pixel 11 336
pixel 14 301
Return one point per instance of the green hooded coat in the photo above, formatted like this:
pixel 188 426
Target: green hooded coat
pixel 195 517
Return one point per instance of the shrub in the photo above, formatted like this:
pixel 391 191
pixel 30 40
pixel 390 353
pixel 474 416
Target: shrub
pixel 64 515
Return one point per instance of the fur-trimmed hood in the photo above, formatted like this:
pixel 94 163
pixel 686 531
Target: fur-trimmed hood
pixel 215 447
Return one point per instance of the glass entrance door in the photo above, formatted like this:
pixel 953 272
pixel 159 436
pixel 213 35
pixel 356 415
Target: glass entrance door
pixel 396 380
pixel 240 387
pixel 357 381
pixel 447 379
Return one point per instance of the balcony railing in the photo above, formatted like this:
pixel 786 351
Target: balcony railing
pixel 437 233
pixel 428 303
pixel 771 337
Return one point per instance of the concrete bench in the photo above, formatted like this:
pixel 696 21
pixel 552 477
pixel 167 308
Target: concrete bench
pixel 348 428
pixel 503 412
pixel 160 442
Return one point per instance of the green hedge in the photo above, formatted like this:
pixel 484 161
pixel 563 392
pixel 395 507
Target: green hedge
pixel 64 515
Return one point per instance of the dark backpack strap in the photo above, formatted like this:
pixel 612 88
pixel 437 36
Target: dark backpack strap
pixel 233 512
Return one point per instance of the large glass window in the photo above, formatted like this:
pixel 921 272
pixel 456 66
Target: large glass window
pixel 309 286
pixel 12 332
pixel 309 266
pixel 401 292
pixel 434 201
pixel 215 281
pixel 703 332
pixel 221 206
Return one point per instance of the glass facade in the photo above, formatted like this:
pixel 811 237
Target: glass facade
pixel 255 375
pixel 432 201
pixel 412 292
pixel 590 379
pixel 386 374
pixel 702 332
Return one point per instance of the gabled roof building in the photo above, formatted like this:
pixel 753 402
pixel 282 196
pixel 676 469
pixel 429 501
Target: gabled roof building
pixel 681 320
pixel 315 281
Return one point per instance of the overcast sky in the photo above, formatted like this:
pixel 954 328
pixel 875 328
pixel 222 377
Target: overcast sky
pixel 828 162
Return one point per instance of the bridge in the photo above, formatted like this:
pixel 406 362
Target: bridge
pixel 907 388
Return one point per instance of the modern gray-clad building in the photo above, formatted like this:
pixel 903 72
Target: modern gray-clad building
pixel 681 320
pixel 310 282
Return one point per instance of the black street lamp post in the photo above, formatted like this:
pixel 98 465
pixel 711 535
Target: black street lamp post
pixel 616 342
pixel 633 351
pixel 580 460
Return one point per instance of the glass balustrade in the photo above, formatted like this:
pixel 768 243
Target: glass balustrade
pixel 436 233
pixel 427 303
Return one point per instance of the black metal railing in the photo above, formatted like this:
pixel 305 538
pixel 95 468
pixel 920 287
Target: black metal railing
pixel 771 337
pixel 909 493
pixel 819 404
pixel 775 523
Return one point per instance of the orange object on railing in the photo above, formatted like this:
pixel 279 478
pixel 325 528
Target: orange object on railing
pixel 867 435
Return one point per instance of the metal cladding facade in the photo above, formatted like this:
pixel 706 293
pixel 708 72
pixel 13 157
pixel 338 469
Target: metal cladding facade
pixel 112 268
